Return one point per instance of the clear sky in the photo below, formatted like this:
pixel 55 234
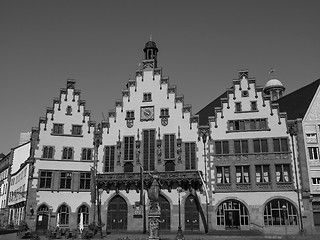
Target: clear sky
pixel 202 45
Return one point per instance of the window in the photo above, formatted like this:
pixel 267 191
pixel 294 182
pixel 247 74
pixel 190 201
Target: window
pixel 128 148
pixel 254 106
pixel 313 153
pixel 86 154
pixel 164 112
pixel 280 145
pixel 147 97
pixel 221 147
pixel 45 179
pixel 57 128
pixel 85 213
pixel 169 166
pixel 223 174
pixel 248 124
pixel 63 215
pixel 67 153
pixel 242 174
pixel 69 110
pixel 65 180
pixel 244 93
pixel 76 130
pixel 316 181
pixel 128 167
pixel 283 173
pixel 190 155
pixel 130 114
pixel 280 212
pixel 260 145
pixel 311 138
pixel 169 152
pixel 149 141
pixel 238 107
pixel 109 158
pixel 47 152
pixel 262 173
pixel 85 179
pixel 241 146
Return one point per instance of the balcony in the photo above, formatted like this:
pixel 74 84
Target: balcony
pixel 264 186
pixel 243 186
pixel 221 187
pixel 285 186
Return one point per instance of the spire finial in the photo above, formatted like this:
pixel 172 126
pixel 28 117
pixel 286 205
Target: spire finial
pixel 271 72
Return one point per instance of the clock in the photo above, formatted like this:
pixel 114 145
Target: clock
pixel 147 113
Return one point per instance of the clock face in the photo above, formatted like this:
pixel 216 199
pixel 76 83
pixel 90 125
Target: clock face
pixel 147 113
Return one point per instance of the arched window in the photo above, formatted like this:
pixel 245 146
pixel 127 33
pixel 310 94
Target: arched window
pixel 63 215
pixel 43 208
pixel 85 211
pixel 280 212
pixel 128 167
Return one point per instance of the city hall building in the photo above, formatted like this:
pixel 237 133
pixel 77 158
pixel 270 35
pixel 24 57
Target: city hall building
pixel 230 166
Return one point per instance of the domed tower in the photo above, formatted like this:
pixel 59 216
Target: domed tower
pixel 274 88
pixel 150 52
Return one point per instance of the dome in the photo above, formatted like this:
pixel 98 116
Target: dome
pixel 150 44
pixel 274 83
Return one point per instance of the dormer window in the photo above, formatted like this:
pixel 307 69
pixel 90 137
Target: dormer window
pixel 147 97
pixel 254 106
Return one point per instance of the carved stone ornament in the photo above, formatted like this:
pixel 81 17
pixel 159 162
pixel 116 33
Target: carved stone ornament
pixel 164 121
pixel 130 123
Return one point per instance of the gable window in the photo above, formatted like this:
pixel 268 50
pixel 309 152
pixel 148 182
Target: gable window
pixel 254 106
pixel 67 153
pixel 238 106
pixel 311 138
pixel 248 124
pixel 45 179
pixel 190 155
pixel 65 180
pixel 164 112
pixel 57 128
pixel 69 110
pixel 242 174
pixel 128 148
pixel 86 154
pixel 109 158
pixel 169 152
pixel 221 147
pixel 85 180
pixel 283 173
pixel 280 145
pixel 241 146
pixel 262 173
pixel 47 152
pixel 149 142
pixel 223 174
pixel 130 114
pixel 313 153
pixel 260 145
pixel 147 97
pixel 76 130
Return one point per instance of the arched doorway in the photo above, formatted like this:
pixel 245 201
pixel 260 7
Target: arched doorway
pixel 42 218
pixel 191 211
pixel 232 214
pixel 117 217
pixel 165 213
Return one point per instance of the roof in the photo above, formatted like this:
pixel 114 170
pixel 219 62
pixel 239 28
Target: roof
pixel 2 155
pixel 273 83
pixel 297 103
pixel 208 110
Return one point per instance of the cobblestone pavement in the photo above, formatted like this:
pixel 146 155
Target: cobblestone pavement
pixel 171 236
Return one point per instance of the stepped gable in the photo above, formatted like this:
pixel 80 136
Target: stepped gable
pixel 71 96
pixel 297 103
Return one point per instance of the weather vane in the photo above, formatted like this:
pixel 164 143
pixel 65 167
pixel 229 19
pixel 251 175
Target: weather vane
pixel 271 72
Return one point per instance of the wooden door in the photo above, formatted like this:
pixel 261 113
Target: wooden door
pixel 191 214
pixel 165 213
pixel 117 217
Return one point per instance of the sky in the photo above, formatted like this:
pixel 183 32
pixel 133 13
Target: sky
pixel 202 45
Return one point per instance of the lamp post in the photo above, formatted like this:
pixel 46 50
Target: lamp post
pixel 99 212
pixel 285 216
pixel 293 132
pixel 179 233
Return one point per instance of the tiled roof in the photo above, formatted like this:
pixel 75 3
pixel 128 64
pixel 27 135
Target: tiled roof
pixel 297 103
pixel 208 110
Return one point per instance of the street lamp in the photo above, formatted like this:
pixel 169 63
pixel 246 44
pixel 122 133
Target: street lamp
pixel 179 233
pixel 292 131
pixel 285 216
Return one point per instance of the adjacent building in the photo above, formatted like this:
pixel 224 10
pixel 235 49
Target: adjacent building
pixel 4 186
